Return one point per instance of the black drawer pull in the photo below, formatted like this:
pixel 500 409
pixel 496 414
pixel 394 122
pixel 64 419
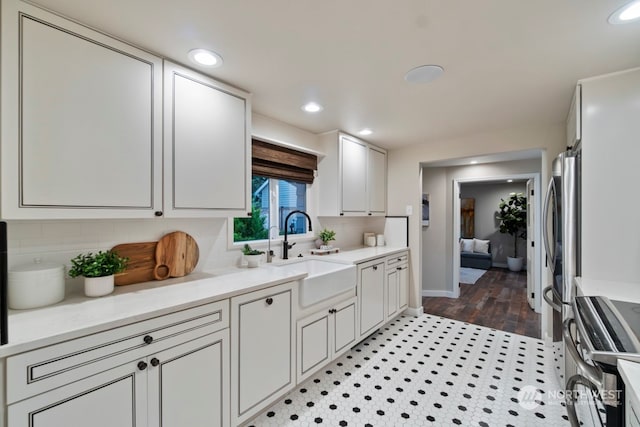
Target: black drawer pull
pixel 398 268
pixel 375 268
pixel 142 365
pixel 148 339
pixel 155 362
pixel 269 301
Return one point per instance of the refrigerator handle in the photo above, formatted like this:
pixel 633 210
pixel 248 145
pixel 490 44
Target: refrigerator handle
pixel 551 256
pixel 550 301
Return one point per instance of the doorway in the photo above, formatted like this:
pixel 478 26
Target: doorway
pixel 534 252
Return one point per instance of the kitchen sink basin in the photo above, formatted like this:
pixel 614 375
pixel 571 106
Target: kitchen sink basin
pixel 325 279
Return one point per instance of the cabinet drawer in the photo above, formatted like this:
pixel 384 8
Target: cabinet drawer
pixel 49 367
pixel 394 260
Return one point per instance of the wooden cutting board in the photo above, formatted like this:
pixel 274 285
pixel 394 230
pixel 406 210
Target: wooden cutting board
pixel 177 254
pixel 142 261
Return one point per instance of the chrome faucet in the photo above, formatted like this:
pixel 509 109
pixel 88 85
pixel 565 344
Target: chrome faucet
pixel 269 253
pixel 285 244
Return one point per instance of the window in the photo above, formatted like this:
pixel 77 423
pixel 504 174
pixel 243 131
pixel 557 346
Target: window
pixel 280 176
pixel 272 200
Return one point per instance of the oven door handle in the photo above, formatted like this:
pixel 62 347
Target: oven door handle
pixel 570 396
pixel 590 372
pixel 549 300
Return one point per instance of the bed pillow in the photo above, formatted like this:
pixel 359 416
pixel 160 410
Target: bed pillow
pixel 466 245
pixel 481 246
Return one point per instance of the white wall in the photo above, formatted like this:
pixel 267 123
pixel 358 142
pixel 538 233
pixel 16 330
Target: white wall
pixel 405 183
pixel 487 197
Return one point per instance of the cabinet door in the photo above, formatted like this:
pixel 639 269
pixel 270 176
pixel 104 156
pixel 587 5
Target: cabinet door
pixel 353 169
pixel 403 287
pixel 116 397
pixel 377 181
pixel 392 294
pixel 189 383
pixel 207 145
pixel 371 296
pixel 344 327
pixel 81 114
pixel 314 343
pixel 263 365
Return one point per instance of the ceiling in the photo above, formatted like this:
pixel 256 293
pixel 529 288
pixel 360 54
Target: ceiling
pixel 507 63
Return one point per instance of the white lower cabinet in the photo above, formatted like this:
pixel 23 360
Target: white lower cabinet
pixel 325 335
pixel 262 352
pixel 397 286
pixel 116 397
pixel 188 384
pixel 371 295
pixel 172 370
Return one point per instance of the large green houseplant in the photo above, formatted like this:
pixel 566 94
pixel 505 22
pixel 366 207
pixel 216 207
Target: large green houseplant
pixel 512 214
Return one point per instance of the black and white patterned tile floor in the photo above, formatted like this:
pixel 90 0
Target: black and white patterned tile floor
pixel 421 371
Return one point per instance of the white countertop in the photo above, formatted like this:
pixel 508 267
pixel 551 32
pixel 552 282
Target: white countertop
pixel 78 315
pixel 619 291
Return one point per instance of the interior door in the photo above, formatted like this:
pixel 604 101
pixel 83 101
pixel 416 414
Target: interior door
pixel 530 249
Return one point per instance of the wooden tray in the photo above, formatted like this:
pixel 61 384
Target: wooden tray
pixel 142 261
pixel 176 255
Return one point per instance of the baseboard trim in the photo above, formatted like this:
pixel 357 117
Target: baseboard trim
pixel 430 293
pixel 414 311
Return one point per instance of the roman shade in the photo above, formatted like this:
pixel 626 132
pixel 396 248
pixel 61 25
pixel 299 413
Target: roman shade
pixel 274 161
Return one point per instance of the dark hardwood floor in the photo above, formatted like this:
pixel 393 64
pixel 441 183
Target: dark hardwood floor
pixel 497 300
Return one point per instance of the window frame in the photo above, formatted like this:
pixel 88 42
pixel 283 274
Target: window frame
pixel 309 236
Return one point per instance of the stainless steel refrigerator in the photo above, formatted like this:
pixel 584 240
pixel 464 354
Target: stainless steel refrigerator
pixel 561 225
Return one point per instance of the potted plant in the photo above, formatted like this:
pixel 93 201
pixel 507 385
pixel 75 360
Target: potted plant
pixel 98 270
pixel 326 236
pixel 512 215
pixel 252 256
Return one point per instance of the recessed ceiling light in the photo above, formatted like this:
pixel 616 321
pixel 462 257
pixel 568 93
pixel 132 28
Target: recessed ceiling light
pixel 509 180
pixel 473 162
pixel 205 57
pixel 365 132
pixel 312 107
pixel 627 13
pixel 424 74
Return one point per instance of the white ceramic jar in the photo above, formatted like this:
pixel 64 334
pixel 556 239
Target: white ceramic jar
pixel 35 285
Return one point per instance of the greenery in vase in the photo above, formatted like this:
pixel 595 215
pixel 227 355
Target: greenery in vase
pixel 248 251
pixel 327 235
pixel 512 215
pixel 103 263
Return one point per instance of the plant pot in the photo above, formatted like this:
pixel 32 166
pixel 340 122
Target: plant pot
pixel 98 286
pixel 514 264
pixel 253 260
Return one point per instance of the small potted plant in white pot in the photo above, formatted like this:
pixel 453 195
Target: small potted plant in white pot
pixel 98 271
pixel 252 256
pixel 327 236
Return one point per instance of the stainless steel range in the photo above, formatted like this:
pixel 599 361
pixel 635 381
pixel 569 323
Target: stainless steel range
pixel 605 332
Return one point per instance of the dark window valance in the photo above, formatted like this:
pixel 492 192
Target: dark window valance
pixel 274 161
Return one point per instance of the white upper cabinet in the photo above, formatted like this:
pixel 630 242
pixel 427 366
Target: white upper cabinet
pixel 82 128
pixel 81 121
pixel 352 177
pixel 207 146
pixel 574 118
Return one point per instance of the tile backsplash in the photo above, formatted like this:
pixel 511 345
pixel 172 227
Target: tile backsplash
pixel 58 241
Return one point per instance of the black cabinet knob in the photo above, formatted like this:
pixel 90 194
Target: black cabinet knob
pixel 399 259
pixel 155 362
pixel 148 339
pixel 375 268
pixel 369 214
pixel 142 365
pixel 158 213
pixel 269 301
pixel 398 268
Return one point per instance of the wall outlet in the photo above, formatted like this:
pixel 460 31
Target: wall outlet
pixel 409 210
